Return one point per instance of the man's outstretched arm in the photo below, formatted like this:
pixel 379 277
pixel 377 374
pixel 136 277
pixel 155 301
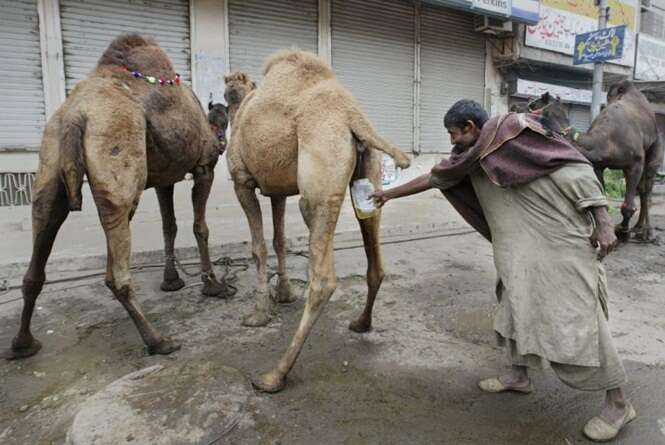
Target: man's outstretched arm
pixel 417 185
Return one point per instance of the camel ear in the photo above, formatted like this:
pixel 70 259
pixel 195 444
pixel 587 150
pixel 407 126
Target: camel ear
pixel 210 105
pixel 253 85
pixel 242 77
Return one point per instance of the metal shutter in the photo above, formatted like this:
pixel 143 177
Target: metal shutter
pixel 89 26
pixel 580 117
pixel 258 28
pixel 452 60
pixel 22 114
pixel 372 54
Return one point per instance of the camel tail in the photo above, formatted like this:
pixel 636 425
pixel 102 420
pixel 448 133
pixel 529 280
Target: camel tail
pixel 364 132
pixel 72 164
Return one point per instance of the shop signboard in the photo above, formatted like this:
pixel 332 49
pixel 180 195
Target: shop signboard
pixel 561 20
pixel 599 46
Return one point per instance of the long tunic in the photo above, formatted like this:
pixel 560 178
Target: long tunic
pixel 554 287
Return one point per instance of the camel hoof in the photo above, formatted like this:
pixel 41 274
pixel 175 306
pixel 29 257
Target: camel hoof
pixel 644 234
pixel 270 382
pixel 285 294
pixel 19 351
pixel 173 285
pixel 361 326
pixel 212 288
pixel 164 347
pixel 256 319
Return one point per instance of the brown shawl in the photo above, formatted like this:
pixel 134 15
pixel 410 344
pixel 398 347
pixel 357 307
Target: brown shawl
pixel 512 149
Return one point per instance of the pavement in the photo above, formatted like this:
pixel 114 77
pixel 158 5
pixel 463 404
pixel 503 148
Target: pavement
pixel 411 380
pixel 81 244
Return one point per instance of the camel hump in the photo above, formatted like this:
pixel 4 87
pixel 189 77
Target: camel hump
pixel 309 64
pixel 72 164
pixel 364 132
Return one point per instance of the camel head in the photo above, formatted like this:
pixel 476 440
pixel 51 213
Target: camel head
pixel 518 108
pixel 619 89
pixel 238 86
pixel 218 119
pixel 554 116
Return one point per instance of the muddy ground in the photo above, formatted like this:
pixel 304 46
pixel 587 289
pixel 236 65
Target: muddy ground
pixel 412 380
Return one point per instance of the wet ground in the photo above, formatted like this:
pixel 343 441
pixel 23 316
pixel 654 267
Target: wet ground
pixel 412 380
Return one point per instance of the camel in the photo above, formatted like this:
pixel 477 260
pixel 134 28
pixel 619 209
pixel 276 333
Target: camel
pixel 623 136
pixel 301 132
pixel 130 125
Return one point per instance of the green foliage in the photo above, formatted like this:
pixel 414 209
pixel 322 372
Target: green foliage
pixel 615 184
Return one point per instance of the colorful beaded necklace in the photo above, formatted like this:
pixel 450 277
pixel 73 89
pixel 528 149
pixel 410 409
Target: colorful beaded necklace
pixel 153 80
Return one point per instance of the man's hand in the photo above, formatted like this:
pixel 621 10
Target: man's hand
pixel 379 197
pixel 603 236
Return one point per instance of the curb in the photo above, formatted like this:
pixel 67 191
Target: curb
pixel 13 272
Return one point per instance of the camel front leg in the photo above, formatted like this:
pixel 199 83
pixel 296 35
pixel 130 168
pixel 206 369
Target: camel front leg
pixel 284 292
pixel 203 178
pixel 642 229
pixel 172 280
pixel 321 218
pixel 250 205
pixel 633 176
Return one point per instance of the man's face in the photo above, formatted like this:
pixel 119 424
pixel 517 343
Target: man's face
pixel 464 137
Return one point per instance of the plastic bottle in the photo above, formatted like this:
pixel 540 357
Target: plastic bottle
pixel 364 205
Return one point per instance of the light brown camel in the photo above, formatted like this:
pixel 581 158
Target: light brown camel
pixel 128 126
pixel 624 136
pixel 298 133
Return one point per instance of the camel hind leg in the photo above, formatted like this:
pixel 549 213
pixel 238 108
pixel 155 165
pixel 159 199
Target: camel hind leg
pixel 117 174
pixel 320 203
pixel 49 210
pixel 652 162
pixel 370 168
pixel 284 294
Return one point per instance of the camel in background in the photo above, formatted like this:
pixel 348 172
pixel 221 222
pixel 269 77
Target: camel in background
pixel 623 136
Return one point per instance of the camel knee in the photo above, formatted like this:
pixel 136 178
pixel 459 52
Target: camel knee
pixel 122 293
pixel 170 229
pixel 201 230
pixel 259 251
pixel 320 292
pixel 375 276
pixel 278 244
pixel 32 286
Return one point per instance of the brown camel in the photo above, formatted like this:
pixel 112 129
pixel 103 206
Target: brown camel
pixel 301 132
pixel 623 136
pixel 128 126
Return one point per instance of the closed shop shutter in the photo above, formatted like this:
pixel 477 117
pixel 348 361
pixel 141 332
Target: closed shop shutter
pixel 580 117
pixel 22 113
pixel 89 26
pixel 372 55
pixel 258 28
pixel 452 60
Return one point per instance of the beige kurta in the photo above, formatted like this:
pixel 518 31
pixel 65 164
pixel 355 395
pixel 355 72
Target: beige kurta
pixel 553 285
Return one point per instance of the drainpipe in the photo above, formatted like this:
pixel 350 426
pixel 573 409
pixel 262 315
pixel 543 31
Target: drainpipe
pixel 416 77
pixel 597 91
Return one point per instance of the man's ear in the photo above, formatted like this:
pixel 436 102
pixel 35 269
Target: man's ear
pixel 470 125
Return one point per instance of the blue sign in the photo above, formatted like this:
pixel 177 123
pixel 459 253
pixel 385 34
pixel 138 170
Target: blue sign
pixel 599 46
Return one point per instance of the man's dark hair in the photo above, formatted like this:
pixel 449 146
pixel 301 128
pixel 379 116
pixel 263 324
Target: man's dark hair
pixel 465 110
